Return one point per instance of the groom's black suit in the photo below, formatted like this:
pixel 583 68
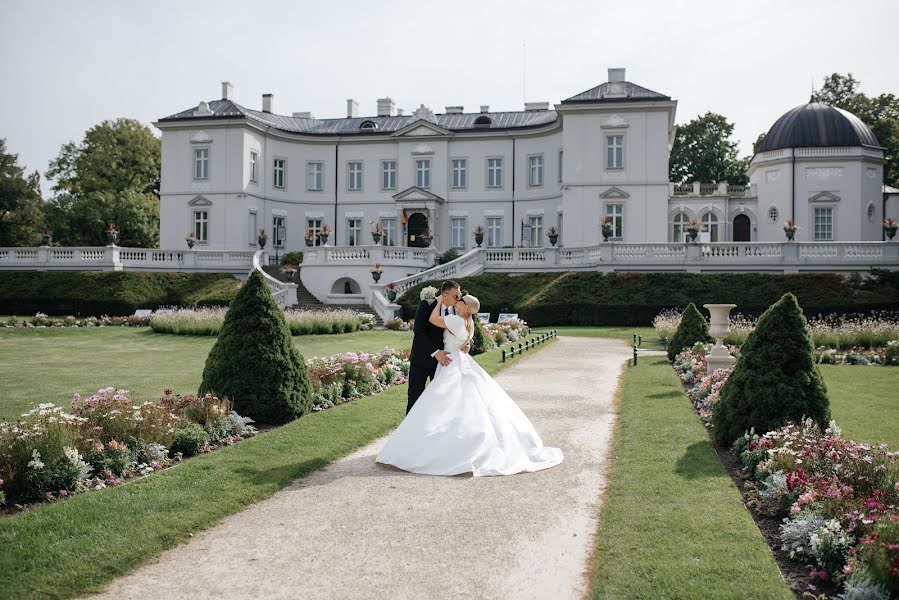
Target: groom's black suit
pixel 426 340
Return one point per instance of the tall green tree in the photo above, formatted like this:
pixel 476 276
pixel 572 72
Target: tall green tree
pixel 703 151
pixel 20 202
pixel 880 113
pixel 112 176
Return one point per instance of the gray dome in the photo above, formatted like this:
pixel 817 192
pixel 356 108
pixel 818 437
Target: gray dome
pixel 815 124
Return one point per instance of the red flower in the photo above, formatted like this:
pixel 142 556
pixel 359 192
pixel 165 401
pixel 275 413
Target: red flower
pixel 167 392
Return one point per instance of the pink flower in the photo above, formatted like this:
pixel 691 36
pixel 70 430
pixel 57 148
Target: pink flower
pixel 167 392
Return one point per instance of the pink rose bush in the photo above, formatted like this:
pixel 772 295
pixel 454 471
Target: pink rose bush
pixel 345 377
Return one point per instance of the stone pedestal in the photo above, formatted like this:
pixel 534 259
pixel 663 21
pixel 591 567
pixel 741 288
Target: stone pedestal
pixel 719 327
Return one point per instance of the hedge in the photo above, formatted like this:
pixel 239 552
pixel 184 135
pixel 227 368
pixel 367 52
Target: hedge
pixel 93 293
pixel 590 298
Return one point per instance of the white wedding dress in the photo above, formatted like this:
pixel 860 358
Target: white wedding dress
pixel 465 423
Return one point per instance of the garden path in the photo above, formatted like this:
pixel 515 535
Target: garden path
pixel 356 529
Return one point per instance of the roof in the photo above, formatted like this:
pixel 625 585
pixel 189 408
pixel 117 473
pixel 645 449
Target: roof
pixel 814 125
pixel 227 109
pixel 888 189
pixel 623 91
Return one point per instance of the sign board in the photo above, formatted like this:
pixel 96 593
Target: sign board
pixel 143 312
pixel 484 318
pixel 505 316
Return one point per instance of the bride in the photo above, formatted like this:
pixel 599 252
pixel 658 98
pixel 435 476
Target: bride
pixel 464 422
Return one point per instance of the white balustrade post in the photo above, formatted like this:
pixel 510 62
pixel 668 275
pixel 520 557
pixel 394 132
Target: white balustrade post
pixel 111 258
pixel 790 253
pixel 290 296
pixel 694 257
pixel 552 255
pixel 43 257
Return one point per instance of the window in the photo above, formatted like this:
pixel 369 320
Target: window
pixel 823 224
pixel 279 231
pixel 201 163
pixel 870 211
pixel 616 213
pixel 389 238
pixel 252 232
pixel 201 225
pixel 316 226
pixel 457 232
pixel 353 232
pixel 535 171
pixel 615 152
pixel 460 173
pixel 254 160
pixel 279 171
pixel 494 232
pixel 354 176
pixel 388 174
pixel 710 226
pixel 560 166
pixel 495 172
pixel 423 173
pixel 536 223
pixel 314 176
pixel 772 214
pixel 678 227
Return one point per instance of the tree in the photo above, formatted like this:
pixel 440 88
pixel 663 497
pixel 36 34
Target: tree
pixel 880 113
pixel 20 202
pixel 693 328
pixel 112 176
pixel 254 361
pixel 775 379
pixel 703 151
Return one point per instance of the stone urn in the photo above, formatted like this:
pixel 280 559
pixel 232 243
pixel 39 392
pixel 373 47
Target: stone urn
pixel 376 237
pixel 891 232
pixel 190 244
pixel 376 275
pixel 719 327
pixel 692 233
pixel 391 295
pixel 606 233
pixel 479 239
pixel 112 236
pixel 553 239
pixel 322 239
pixel 790 233
pixel 261 241
pixel 309 242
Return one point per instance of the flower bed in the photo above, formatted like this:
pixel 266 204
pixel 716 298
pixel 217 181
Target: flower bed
pixel 344 377
pixel 507 331
pixel 208 321
pixel 40 320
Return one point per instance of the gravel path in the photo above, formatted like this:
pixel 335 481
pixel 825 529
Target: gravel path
pixel 356 529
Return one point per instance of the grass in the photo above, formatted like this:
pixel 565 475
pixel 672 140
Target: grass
pixel 869 411
pixel 79 545
pixel 674 525
pixel 625 334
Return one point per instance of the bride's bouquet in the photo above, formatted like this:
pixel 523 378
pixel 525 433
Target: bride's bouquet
pixel 429 293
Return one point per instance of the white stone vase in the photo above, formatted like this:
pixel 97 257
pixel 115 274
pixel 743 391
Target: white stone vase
pixel 719 327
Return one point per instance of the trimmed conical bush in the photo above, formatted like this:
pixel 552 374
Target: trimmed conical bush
pixel 254 361
pixel 478 340
pixel 693 328
pixel 775 379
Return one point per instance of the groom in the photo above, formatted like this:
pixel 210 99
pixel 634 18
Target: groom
pixel 427 341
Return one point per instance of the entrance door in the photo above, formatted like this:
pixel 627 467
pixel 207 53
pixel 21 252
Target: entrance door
pixel 415 228
pixel 742 229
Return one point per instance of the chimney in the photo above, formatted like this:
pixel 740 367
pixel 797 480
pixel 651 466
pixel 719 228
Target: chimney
pixel 616 75
pixel 485 108
pixel 303 115
pixel 455 110
pixel 267 102
pixel 399 112
pixel 385 107
pixel 352 108
pixel 227 90
pixel 534 106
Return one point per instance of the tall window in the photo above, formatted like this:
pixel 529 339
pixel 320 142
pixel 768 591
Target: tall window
pixel 536 223
pixel 388 174
pixel 254 169
pixel 460 173
pixel 560 226
pixel 616 213
pixel 252 231
pixel 710 226
pixel 535 171
pixel 279 172
pixel 495 172
pixel 316 226
pixel 201 163
pixel 615 152
pixel 353 232
pixel 494 232
pixel 457 232
pixel 423 173
pixel 279 231
pixel 389 238
pixel 314 176
pixel 560 166
pixel 823 224
pixel 678 227
pixel 201 225
pixel 354 176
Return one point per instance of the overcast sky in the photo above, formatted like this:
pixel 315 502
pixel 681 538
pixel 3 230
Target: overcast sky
pixel 65 66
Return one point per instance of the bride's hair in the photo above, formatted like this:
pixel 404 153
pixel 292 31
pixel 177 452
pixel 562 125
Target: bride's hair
pixel 473 304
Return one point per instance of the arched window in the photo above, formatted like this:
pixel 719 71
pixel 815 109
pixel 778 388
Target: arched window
pixel 482 121
pixel 368 126
pixel 677 227
pixel 710 226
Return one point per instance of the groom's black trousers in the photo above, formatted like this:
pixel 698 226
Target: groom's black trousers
pixel 418 375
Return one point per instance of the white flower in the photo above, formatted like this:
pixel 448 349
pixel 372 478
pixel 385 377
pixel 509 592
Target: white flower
pixel 428 293
pixel 35 462
pixel 72 455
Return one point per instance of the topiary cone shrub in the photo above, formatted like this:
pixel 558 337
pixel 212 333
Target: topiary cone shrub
pixel 775 379
pixel 254 361
pixel 693 328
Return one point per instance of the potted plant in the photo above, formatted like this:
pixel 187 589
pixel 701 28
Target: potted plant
pixel 310 237
pixel 426 237
pixel 790 229
pixel 606 228
pixel 889 226
pixel 391 291
pixel 45 237
pixel 262 238
pixel 112 234
pixel 692 229
pixel 324 234
pixel 479 235
pixel 553 234
pixel 290 271
pixel 376 232
pixel 191 239
pixel 376 271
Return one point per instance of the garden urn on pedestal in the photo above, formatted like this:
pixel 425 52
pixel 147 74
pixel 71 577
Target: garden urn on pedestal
pixel 719 327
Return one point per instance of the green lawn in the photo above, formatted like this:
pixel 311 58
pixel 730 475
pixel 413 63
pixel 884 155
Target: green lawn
pixel 78 545
pixel 626 334
pixel 674 525
pixel 864 401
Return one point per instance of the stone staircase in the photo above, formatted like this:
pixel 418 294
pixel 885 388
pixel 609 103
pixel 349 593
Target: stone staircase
pixel 306 301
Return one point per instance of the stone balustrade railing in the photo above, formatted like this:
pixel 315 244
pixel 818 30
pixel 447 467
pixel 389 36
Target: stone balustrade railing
pixel 698 190
pixel 369 255
pixel 116 258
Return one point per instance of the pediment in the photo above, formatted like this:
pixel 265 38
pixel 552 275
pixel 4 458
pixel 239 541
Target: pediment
pixel 824 197
pixel 612 122
pixel 200 201
pixel 200 137
pixel 416 193
pixel 421 128
pixel 614 192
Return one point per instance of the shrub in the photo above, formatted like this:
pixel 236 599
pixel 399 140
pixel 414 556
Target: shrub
pixel 479 343
pixel 190 440
pixel 775 379
pixel 449 255
pixel 396 324
pixel 294 257
pixel 254 362
pixel 113 456
pixel 693 328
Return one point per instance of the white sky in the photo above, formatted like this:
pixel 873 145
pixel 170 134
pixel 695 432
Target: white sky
pixel 65 66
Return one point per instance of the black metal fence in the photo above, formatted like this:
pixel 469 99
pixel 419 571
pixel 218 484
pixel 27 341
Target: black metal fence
pixel 529 344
